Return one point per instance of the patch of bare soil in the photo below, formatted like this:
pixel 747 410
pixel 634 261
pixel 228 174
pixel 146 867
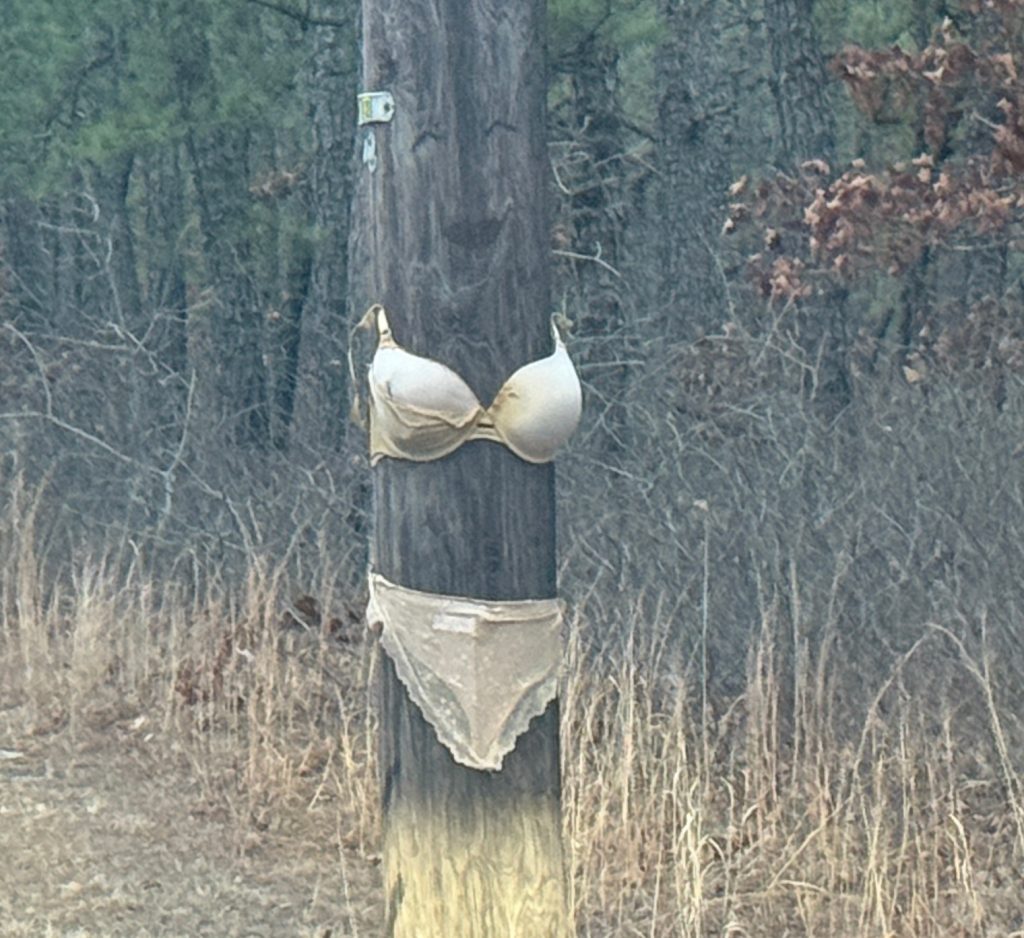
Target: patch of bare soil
pixel 104 834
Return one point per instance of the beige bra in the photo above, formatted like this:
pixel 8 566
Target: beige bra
pixel 422 410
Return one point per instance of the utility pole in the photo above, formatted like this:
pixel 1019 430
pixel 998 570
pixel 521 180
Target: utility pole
pixel 451 235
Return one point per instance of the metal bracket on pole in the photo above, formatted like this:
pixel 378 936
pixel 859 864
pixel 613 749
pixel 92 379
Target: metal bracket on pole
pixel 376 107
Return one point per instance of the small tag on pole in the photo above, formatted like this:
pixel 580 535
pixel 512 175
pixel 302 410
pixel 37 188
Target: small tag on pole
pixel 370 151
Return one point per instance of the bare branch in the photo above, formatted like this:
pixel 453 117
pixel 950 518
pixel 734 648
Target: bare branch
pixel 595 257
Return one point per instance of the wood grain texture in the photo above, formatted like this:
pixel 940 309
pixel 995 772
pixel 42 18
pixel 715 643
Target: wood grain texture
pixel 451 234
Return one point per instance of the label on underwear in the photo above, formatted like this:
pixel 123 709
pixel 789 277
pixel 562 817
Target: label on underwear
pixel 478 671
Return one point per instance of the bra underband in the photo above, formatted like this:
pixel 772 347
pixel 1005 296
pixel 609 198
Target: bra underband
pixel 479 671
pixel 422 410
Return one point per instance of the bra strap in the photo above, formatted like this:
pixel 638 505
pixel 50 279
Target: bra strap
pixel 374 316
pixel 559 323
pixel 384 337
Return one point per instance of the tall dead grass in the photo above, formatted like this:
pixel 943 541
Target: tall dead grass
pixel 737 825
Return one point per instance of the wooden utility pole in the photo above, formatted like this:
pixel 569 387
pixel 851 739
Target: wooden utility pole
pixel 451 235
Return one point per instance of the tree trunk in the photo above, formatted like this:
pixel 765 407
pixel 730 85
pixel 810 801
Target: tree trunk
pixel 112 184
pixel 807 131
pixel 225 323
pixel 799 83
pixel 166 284
pixel 321 396
pixel 451 235
pixel 284 335
pixel 32 278
pixel 226 334
pixel 707 70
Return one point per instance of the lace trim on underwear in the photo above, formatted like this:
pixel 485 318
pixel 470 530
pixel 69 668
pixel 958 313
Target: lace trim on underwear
pixel 478 671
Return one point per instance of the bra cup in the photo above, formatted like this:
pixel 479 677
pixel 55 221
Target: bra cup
pixel 422 385
pixel 539 407
pixel 422 410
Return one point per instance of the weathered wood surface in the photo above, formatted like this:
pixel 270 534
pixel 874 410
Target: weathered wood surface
pixel 452 236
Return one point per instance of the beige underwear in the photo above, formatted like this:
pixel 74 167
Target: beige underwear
pixel 479 671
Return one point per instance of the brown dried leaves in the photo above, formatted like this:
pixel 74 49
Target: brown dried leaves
pixel 819 225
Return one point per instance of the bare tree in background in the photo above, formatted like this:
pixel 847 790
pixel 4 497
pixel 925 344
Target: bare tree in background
pixel 321 401
pixel 708 79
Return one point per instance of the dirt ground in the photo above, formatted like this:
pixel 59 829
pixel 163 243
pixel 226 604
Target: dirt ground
pixel 104 835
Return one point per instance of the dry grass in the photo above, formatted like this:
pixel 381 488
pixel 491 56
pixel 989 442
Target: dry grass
pixel 733 826
pixel 686 816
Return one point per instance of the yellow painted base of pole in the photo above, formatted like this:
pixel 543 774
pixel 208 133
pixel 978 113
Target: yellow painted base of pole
pixel 470 854
pixel 495 873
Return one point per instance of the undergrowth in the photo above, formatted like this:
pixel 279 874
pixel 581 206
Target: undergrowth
pixel 790 705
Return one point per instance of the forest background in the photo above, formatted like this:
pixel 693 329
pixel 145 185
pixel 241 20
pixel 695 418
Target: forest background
pixel 788 235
